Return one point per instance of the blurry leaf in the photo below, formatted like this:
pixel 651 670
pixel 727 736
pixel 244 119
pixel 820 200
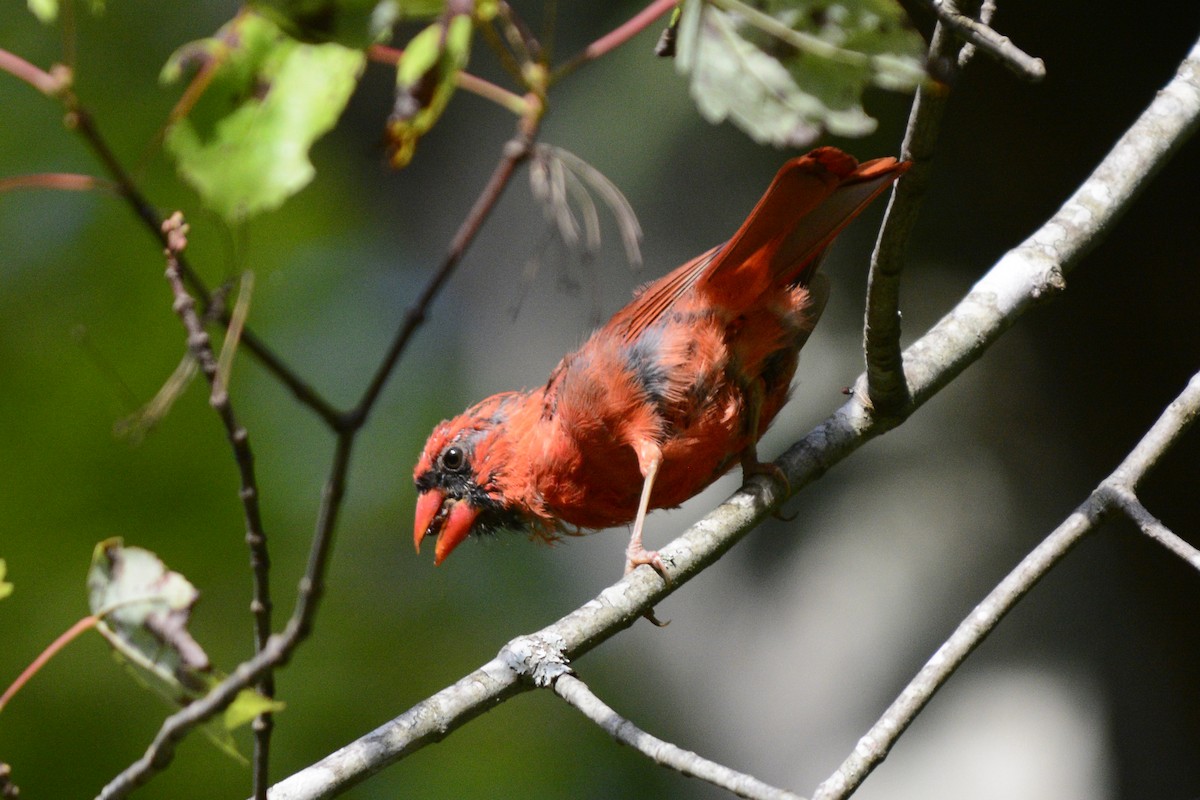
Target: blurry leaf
pixel 8 789
pixel 248 705
pixel 426 76
pixel 138 424
pixel 350 23
pixel 244 145
pixel 6 588
pixel 45 10
pixel 144 609
pixel 785 71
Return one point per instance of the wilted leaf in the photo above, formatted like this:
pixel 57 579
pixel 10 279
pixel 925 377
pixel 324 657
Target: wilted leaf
pixel 786 71
pixel 143 609
pixel 426 76
pixel 6 588
pixel 244 145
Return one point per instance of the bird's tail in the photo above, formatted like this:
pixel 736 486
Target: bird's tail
pixel 812 198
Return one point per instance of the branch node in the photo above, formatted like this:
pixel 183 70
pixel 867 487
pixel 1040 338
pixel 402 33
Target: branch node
pixel 539 657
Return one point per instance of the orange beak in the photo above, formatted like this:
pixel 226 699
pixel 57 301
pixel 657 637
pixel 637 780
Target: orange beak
pixel 447 518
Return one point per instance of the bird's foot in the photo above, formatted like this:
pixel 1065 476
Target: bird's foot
pixel 752 466
pixel 634 558
pixel 636 555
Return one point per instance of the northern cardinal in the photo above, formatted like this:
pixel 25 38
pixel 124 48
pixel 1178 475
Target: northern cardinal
pixel 677 387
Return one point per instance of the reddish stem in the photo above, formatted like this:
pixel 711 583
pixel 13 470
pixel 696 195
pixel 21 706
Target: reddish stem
pixel 62 181
pixel 623 33
pixel 62 641
pixel 48 83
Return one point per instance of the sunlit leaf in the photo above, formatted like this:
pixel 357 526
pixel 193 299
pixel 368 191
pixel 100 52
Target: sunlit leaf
pixel 786 71
pixel 244 145
pixel 6 588
pixel 426 77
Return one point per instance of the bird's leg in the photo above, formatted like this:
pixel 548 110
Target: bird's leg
pixel 753 392
pixel 649 457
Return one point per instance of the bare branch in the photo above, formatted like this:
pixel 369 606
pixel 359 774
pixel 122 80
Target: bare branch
pixel 1110 495
pixel 987 10
pixel 886 387
pixel 256 536
pixel 985 38
pixel 1149 524
pixel 576 692
pixel 515 152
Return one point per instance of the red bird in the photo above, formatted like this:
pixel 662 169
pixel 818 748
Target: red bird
pixel 666 397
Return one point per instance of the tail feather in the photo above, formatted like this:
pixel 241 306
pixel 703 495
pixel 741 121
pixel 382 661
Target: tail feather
pixel 811 200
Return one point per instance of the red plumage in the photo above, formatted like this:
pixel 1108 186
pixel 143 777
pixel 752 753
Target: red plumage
pixel 668 395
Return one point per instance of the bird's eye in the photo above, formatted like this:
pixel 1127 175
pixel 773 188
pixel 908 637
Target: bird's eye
pixel 454 459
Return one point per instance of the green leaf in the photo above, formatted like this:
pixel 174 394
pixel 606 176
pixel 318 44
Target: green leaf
pixel 144 609
pixel 786 71
pixel 248 705
pixel 244 145
pixel 426 77
pixel 6 588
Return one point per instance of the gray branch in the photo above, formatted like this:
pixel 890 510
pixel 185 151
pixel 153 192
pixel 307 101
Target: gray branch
pixel 1112 494
pixel 576 692
pixel 979 33
pixel 1026 275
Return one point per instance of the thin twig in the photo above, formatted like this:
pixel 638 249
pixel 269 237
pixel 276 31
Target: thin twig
pixel 570 688
pixel 35 666
pixel 59 181
pixel 987 10
pixel 1128 502
pixel 1112 494
pixel 1027 274
pixel 79 120
pixel 200 346
pixel 515 151
pixel 616 37
pixel 985 38
pixel 886 387
pixel 52 83
pixel 474 84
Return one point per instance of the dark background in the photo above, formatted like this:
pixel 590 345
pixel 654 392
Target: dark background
pixel 778 658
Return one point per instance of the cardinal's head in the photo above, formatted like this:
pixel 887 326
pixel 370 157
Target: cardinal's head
pixel 464 478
